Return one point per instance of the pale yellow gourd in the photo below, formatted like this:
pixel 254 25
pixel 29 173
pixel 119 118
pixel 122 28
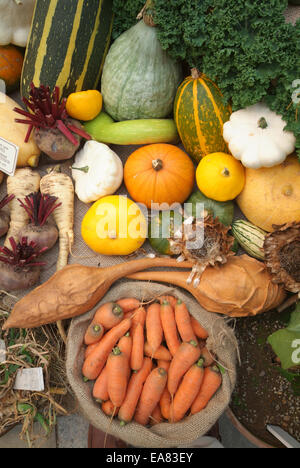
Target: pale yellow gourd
pixel 15 133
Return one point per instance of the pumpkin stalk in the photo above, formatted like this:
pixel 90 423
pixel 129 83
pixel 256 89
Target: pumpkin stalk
pixel 157 164
pixel 262 123
pixel 82 169
pixel 147 14
pixel 195 73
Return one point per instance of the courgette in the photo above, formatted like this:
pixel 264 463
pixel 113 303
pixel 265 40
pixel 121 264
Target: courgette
pixel 132 132
pixel 250 237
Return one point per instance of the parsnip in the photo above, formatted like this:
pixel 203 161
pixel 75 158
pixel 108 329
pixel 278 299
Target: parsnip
pixel 23 183
pixel 60 185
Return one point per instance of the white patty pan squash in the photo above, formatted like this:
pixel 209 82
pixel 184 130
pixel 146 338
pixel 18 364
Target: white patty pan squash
pixel 97 171
pixel 255 135
pixel 15 21
pixel 139 79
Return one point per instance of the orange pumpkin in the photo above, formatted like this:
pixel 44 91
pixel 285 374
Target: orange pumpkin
pixel 11 62
pixel 159 173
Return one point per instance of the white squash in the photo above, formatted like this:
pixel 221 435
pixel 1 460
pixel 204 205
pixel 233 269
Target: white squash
pixel 97 171
pixel 256 136
pixel 15 21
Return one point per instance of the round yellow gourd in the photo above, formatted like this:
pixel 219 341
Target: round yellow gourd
pixel 272 195
pixel 84 105
pixel 220 176
pixel 114 225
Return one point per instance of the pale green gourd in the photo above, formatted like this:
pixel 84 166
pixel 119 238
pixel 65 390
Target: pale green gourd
pixel 139 79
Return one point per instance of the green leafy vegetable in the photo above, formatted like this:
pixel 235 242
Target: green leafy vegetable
pixel 125 13
pixel 286 342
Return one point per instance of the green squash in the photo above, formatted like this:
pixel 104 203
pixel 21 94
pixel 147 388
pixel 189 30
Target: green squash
pixel 161 228
pixel 139 79
pixel 224 211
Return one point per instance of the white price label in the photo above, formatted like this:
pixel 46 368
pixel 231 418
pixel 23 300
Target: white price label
pixel 30 379
pixel 8 157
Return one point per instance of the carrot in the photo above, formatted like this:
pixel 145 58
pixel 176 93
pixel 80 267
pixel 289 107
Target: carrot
pixel 89 349
pixel 156 416
pixel 170 299
pixel 93 334
pixel 97 359
pixel 162 352
pixel 125 345
pixel 199 331
pixel 137 354
pixel 151 395
pixel 100 391
pixel 167 316
pixel 187 391
pixel 212 381
pixel 128 304
pixel 109 409
pixel 23 183
pixel 138 316
pixel 207 357
pixel 109 315
pixel 165 403
pixel 154 330
pixel 117 376
pixel 187 354
pixel 164 364
pixel 134 390
pixel 183 321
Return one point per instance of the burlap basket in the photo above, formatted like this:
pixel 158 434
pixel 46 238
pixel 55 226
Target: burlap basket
pixel 221 341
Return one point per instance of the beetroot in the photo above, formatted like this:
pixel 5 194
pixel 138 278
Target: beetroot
pixel 4 216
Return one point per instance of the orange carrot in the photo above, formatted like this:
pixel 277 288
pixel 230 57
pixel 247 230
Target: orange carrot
pixel 93 334
pixel 187 391
pixel 134 390
pixel 207 357
pixel 212 381
pixel 137 354
pixel 125 345
pixel 164 364
pixel 165 403
pixel 151 395
pixel 154 330
pixel 199 331
pixel 138 316
pixel 167 316
pixel 89 349
pixel 109 315
pixel 128 304
pixel 183 322
pixel 100 392
pixel 109 409
pixel 187 354
pixel 97 359
pixel 156 416
pixel 117 376
pixel 170 299
pixel 162 352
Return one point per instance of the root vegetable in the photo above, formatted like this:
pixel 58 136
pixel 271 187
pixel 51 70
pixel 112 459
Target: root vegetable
pixel 109 315
pixel 186 355
pixel 212 381
pixel 93 334
pixel 117 376
pixel 154 330
pixel 23 183
pixel 151 395
pixel 57 184
pixel 19 268
pixel 183 321
pixel 39 207
pixel 169 326
pixel 4 216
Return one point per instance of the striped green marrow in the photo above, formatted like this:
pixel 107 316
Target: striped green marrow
pixel 251 238
pixel 199 114
pixel 67 46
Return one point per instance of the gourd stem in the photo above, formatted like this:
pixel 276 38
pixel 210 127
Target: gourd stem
pixel 195 73
pixel 19 2
pixel 82 169
pixel 147 14
pixel 262 123
pixel 226 172
pixel 157 164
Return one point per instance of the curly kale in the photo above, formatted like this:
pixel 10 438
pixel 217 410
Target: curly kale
pixel 125 13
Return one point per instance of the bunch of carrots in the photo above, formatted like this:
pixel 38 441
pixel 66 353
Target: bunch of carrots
pixel 149 361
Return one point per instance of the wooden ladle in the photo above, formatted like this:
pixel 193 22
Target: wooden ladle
pixel 75 290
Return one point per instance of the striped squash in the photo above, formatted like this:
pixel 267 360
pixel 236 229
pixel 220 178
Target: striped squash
pixel 199 113
pixel 68 42
pixel 251 238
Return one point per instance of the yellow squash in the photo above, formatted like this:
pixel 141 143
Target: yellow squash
pixel 84 105
pixel 114 225
pixel 272 195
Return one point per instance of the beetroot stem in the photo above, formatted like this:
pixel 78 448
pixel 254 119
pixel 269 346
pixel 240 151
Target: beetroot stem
pixel 61 126
pixel 7 199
